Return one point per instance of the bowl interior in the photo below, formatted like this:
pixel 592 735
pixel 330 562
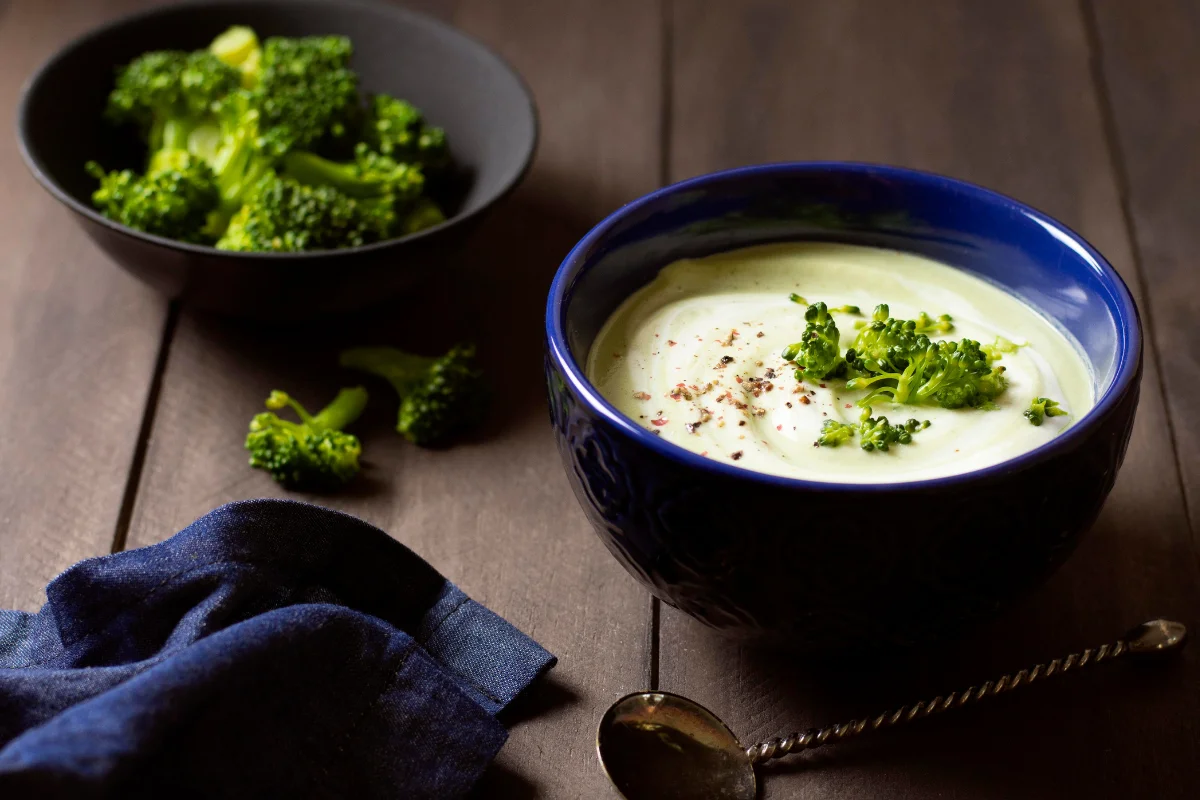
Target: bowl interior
pixel 987 234
pixel 459 84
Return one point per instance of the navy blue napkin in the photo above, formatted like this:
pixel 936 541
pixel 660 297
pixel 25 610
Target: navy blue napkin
pixel 270 649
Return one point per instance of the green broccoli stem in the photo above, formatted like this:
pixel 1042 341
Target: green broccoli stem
pixel 313 170
pixel 402 370
pixel 345 408
pixel 238 167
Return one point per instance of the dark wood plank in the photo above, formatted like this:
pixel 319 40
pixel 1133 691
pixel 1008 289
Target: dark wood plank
pixel 1001 94
pixel 1150 64
pixel 494 514
pixel 78 343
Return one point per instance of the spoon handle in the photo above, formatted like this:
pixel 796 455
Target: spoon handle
pixel 1148 639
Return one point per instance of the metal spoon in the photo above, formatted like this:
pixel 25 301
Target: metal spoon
pixel 660 746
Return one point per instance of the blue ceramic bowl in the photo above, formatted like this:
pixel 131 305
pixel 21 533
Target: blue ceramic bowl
pixel 719 542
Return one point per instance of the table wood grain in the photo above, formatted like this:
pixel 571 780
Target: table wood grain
pixel 124 418
pixel 78 348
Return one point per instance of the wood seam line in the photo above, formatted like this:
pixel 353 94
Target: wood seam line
pixel 138 462
pixel 1112 142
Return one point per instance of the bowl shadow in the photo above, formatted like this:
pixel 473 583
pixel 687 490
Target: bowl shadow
pixel 1050 739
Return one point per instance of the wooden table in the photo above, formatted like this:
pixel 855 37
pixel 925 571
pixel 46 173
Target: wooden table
pixel 124 416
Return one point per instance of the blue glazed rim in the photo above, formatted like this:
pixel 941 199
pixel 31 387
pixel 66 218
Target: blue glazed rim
pixel 1129 336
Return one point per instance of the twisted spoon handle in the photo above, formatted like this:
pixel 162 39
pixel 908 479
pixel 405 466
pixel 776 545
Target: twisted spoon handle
pixel 1151 638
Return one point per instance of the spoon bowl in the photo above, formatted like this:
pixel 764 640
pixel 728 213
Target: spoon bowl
pixel 660 746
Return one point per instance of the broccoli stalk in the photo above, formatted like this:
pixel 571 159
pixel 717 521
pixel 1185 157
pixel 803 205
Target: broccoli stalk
pixel 313 453
pixel 438 396
pixel 1043 407
pixel 371 177
pixel 239 48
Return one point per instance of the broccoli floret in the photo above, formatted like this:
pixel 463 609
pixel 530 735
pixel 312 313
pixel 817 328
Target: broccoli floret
pixel 960 375
pixel 305 91
pixel 169 93
pixel 885 343
pixel 371 176
pixel 313 453
pixel 874 434
pixel 898 362
pixel 438 396
pixel 397 128
pixel 885 336
pixel 174 199
pixel 928 325
pixel 423 214
pixel 948 374
pixel 1043 407
pixel 256 114
pixel 879 434
pixel 282 215
pixel 818 353
pixel 835 434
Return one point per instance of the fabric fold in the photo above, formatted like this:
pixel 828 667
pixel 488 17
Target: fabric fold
pixel 270 647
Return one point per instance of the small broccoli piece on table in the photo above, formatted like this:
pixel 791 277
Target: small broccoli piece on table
pixel 1043 407
pixel 314 453
pixel 281 215
pixel 174 199
pixel 438 396
pixel 818 353
pixel 397 128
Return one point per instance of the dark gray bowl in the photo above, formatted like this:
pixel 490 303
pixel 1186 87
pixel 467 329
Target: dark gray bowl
pixel 486 109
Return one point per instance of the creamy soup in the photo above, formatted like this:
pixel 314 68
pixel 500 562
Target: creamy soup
pixel 696 358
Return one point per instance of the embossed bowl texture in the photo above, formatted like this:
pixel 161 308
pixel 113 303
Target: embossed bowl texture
pixel 748 553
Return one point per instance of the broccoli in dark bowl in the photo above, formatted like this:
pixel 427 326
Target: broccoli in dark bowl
pixel 269 146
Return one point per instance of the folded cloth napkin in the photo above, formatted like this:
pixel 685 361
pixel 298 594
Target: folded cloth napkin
pixel 270 649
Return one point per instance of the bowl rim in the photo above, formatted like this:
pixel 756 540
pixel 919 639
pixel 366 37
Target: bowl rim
pixel 42 175
pixel 1129 332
